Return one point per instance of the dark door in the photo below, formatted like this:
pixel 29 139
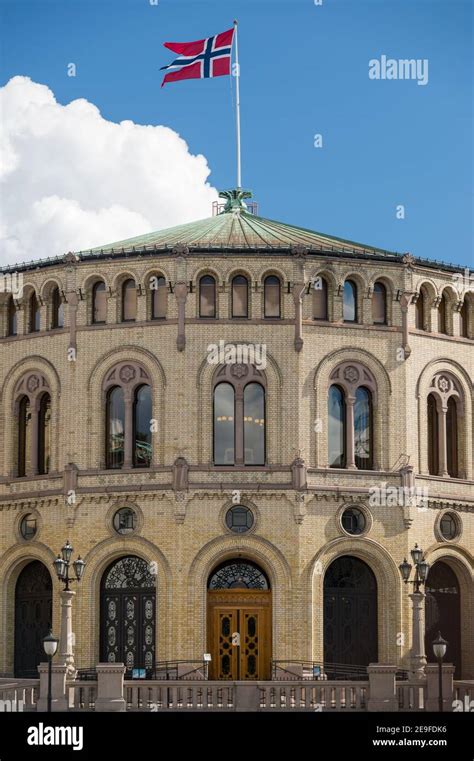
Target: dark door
pixel 350 618
pixel 33 615
pixel 128 624
pixel 443 614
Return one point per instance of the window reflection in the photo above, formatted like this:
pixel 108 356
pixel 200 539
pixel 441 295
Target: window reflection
pixel 254 424
pixel 115 427
pixel 224 424
pixel 350 302
pixel 336 428
pixel 142 415
pixel 362 429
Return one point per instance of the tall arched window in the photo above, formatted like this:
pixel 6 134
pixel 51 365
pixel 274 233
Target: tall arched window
pixel 129 301
pixel 34 314
pixel 320 299
pixel 271 296
pixel 452 438
pixel 254 424
pixel 336 428
pixel 240 305
pixel 159 297
pixel 24 435
pixel 420 311
pixel 115 427
pixel 224 424
pixel 207 296
pixel 142 421
pixel 99 303
pixel 44 434
pixel 443 315
pixel 433 436
pixel 57 309
pixel 350 301
pixel 464 316
pixel 12 324
pixel 379 304
pixel 363 429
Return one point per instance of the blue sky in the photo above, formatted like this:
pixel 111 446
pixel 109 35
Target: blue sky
pixel 304 70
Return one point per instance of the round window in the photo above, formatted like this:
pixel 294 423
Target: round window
pixel 125 520
pixel 28 526
pixel 353 521
pixel 448 526
pixel 239 519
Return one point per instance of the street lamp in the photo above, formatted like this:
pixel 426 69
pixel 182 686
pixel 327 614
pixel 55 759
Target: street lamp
pixel 62 566
pixel 418 656
pixel 439 650
pixel 50 645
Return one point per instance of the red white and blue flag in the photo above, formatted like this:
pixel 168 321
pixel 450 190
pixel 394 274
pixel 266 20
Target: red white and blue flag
pixel 201 59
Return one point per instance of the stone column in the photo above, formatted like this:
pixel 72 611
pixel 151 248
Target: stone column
pixel 33 453
pixel 128 434
pixel 298 292
pixel 110 688
pixel 418 656
pixel 239 425
pixel 58 687
pixel 66 653
pixel 432 686
pixel 350 455
pixel 405 301
pixel 382 692
pixel 72 304
pixel 443 451
pixel 181 293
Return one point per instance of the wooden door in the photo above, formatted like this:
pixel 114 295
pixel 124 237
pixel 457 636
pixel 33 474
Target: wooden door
pixel 239 634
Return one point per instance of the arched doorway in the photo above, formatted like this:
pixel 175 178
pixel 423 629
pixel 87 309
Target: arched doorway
pixel 350 617
pixel 127 614
pixel 239 621
pixel 33 616
pixel 443 613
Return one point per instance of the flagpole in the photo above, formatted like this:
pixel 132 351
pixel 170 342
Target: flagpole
pixel 237 110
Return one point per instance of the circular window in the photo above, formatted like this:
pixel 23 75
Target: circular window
pixel 125 520
pixel 448 526
pixel 239 519
pixel 28 526
pixel 353 521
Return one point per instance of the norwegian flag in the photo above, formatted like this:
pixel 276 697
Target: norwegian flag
pixel 201 59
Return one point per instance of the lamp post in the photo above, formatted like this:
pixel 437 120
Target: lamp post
pixel 50 645
pixel 62 565
pixel 439 650
pixel 418 655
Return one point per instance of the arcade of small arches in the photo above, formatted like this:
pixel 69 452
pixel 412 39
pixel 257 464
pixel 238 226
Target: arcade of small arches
pixel 239 425
pixel 322 287
pixel 239 598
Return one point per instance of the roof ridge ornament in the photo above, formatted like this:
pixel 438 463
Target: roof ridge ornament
pixel 235 199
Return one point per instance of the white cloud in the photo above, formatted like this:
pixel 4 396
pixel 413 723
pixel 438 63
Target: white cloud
pixel 70 179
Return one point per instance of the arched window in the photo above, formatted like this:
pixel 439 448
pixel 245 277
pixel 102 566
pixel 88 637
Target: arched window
pixel 433 437
pixel 271 289
pixel 129 301
pixel 350 301
pixel 320 299
pixel 420 311
pixel 254 424
pixel 115 427
pixel 207 296
pixel 379 304
pixel 24 435
pixel 12 324
pixel 57 309
pixel 452 438
pixel 34 314
pixel 99 303
pixel 336 428
pixel 363 429
pixel 224 424
pixel 240 306
pixel 142 421
pixel 159 297
pixel 464 315
pixel 44 434
pixel 443 315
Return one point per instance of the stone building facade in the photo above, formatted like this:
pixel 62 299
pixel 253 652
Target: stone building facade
pixel 288 526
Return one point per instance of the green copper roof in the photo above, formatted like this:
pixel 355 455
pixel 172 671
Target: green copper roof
pixel 235 228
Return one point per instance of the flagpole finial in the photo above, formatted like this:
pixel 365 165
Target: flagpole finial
pixel 235 22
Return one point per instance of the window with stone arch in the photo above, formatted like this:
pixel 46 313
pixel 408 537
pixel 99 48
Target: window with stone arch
pixel 207 296
pixel 352 396
pixel 129 300
pixel 444 410
pixel 443 308
pixel 32 412
pixel 349 301
pixel 129 424
pixel 379 304
pixel 272 297
pixel 420 309
pixel 12 317
pixel 158 296
pixel 239 436
pixel 34 313
pixel 57 309
pixel 99 303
